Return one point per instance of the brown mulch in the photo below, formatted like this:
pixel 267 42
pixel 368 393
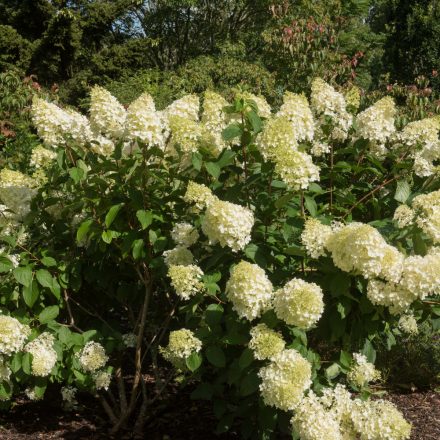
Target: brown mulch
pixel 179 419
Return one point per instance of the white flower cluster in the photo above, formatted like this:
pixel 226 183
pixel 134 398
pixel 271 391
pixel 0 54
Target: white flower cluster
pixel 228 224
pixel 17 191
pixel 403 216
pixel 182 343
pixel 423 139
pixel 299 303
pixel 186 280
pixel 145 123
pixel 13 335
pixel 325 100
pixel 426 211
pixel 376 124
pixel 336 416
pixel 199 195
pixel 362 372
pixel 285 379
pixel 43 354
pixel 107 115
pixel 184 234
pixel 265 342
pixel 92 357
pixel 408 324
pixel 178 256
pixel 68 395
pixel 187 107
pixel 314 237
pixel 41 157
pixel 102 380
pixel 264 109
pixel 250 290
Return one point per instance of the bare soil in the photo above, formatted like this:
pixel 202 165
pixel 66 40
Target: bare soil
pixel 179 418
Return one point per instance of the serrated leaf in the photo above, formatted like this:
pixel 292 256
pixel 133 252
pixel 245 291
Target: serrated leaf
pixel 197 160
pixel 403 191
pixel 216 356
pixel 112 213
pixel 48 314
pixel 145 218
pixel 23 275
pixel 5 264
pixel 44 278
pixel 213 169
pixel 49 261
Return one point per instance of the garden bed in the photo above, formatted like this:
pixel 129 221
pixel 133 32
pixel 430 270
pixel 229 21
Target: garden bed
pixel 182 419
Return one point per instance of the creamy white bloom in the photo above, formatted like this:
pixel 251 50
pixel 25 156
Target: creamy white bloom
pixel 376 124
pixel 314 237
pixel 186 134
pixel 92 357
pixel 144 122
pixel 186 280
pixel 184 234
pixel 13 335
pixel 42 157
pixel 182 343
pixel 278 135
pixel 179 256
pixel 285 379
pixel 249 289
pixel 187 107
pixel 296 109
pixel 102 380
pixel 107 115
pixel 199 195
pixel 408 324
pixel 312 422
pixel 320 148
pixel 362 372
pixel 68 395
pixel 403 216
pixel 228 224
pixel 299 303
pixel 265 342
pixel 264 109
pixel 44 356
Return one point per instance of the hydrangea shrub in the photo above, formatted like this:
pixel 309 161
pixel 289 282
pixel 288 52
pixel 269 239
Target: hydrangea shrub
pixel 256 251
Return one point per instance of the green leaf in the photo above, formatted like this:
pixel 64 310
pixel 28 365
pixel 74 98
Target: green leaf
pixel 109 235
pixel 213 314
pixel 246 358
pixel 403 191
pixel 48 314
pixel 284 200
pixel 231 132
pixel 249 384
pixel 193 361
pixel 5 264
pixel 310 204
pixel 345 359
pixel 76 174
pixel 369 351
pixel 26 363
pixel 23 275
pixel 332 371
pixel 31 293
pixel 112 213
pixel 83 230
pixel 197 160
pixel 138 247
pixel 216 356
pixel 213 169
pixel 203 391
pixel 255 121
pixel 44 278
pixel 145 218
pixel 49 261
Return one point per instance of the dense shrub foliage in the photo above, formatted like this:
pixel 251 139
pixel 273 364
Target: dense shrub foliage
pixel 262 252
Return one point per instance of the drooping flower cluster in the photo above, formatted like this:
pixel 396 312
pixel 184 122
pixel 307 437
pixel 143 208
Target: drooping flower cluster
pixel 186 280
pixel 403 216
pixel 178 256
pixel 43 354
pixel 199 195
pixel 314 237
pixel 264 109
pixel 182 343
pixel 285 379
pixel 362 372
pixel 107 115
pixel 427 214
pixel 376 124
pixel 265 342
pixel 92 357
pixel 187 107
pixel 299 303
pixel 408 324
pixel 249 289
pixel 353 97
pixel 13 335
pixel 228 224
